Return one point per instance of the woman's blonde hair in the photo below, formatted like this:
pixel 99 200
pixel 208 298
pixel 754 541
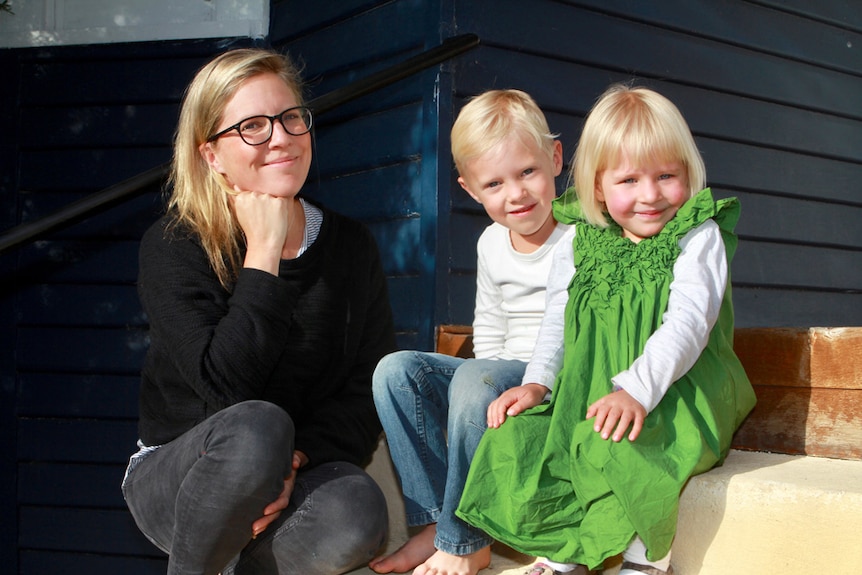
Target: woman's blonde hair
pixel 491 117
pixel 641 124
pixel 199 199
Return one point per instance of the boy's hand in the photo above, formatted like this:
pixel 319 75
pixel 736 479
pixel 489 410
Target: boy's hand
pixel 617 409
pixel 515 400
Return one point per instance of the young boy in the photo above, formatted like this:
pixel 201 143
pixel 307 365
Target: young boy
pixel 507 160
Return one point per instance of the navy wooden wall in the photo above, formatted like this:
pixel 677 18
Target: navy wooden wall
pixel 384 158
pixel 74 337
pixel 772 90
pixel 8 203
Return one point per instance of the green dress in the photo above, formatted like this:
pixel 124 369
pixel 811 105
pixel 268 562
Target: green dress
pixel 548 485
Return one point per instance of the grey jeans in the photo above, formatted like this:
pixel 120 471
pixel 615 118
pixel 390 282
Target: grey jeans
pixel 196 498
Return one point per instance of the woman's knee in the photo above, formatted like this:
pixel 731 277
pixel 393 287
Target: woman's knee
pixel 254 432
pixel 363 510
pixel 351 520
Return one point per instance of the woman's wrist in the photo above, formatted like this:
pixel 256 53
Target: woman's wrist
pixel 263 260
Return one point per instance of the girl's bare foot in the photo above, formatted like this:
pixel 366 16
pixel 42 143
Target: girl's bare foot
pixel 410 555
pixel 442 563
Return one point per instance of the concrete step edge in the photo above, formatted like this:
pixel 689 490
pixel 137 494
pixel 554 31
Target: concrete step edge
pixel 737 518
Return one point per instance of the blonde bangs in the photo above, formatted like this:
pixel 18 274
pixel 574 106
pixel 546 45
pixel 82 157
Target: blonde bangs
pixel 492 117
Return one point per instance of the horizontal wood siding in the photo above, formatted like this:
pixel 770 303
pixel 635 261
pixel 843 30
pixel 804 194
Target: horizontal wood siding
pixel 771 91
pixel 9 89
pixel 377 157
pixel 85 118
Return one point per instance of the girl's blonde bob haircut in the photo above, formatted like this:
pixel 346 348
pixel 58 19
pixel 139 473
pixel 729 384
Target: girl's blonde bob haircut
pixel 640 124
pixel 199 200
pixel 491 117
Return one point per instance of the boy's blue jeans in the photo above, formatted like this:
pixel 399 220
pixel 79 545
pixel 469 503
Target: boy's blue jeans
pixel 197 497
pixel 423 398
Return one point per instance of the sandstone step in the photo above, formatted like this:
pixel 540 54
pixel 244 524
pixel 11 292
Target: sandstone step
pixel 771 513
pixel 763 513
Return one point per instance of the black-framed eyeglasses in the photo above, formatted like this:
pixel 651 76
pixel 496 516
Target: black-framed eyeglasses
pixel 257 130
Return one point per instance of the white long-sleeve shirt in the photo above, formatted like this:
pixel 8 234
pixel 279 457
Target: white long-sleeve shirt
pixel 510 294
pixel 696 292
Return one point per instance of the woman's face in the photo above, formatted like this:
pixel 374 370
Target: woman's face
pixel 278 167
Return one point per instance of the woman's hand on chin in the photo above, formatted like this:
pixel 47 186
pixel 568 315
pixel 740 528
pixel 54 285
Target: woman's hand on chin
pixel 264 220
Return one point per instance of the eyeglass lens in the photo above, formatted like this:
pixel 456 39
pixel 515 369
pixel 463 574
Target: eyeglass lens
pixel 258 129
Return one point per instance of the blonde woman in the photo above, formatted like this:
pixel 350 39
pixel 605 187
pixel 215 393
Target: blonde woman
pixel 267 316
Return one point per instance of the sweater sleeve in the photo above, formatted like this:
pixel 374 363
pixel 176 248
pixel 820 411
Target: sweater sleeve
pixel 223 345
pixel 696 292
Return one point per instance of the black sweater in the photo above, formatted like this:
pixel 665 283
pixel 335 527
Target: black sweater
pixel 308 340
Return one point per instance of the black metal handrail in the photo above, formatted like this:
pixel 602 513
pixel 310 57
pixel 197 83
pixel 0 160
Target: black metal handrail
pixel 127 189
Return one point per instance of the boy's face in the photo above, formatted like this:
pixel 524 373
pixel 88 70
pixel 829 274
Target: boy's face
pixel 514 182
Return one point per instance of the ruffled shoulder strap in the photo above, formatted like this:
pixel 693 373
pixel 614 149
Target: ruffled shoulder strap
pixel 692 213
pixel 703 207
pixel 567 208
pixel 726 216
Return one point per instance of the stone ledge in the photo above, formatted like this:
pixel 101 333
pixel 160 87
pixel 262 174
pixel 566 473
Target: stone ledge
pixel 771 513
pixel 758 513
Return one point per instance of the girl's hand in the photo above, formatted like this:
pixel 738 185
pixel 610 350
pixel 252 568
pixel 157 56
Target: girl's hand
pixel 515 400
pixel 617 409
pixel 274 509
pixel 264 220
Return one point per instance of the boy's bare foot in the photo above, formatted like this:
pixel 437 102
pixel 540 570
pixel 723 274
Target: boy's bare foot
pixel 442 563
pixel 413 553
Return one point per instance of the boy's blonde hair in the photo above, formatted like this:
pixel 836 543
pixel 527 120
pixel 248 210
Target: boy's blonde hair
pixel 200 195
pixel 493 116
pixel 637 122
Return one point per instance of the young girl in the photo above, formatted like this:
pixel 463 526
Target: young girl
pixel 636 348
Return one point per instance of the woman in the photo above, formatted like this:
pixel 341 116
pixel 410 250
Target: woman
pixel 267 316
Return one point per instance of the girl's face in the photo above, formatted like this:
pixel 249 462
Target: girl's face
pixel 642 199
pixel 278 167
pixel 514 182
